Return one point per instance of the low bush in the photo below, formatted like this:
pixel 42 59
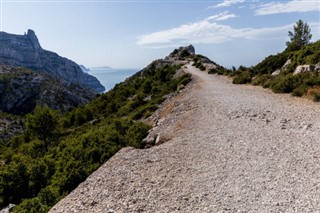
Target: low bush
pixel 314 93
pixel 300 91
pixel 316 97
pixel 185 79
pixel 219 71
pixel 260 79
pixel 285 84
pixel 213 71
pixel 243 78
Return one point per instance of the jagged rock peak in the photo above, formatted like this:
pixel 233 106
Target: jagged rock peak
pixel 191 49
pixel 182 52
pixel 28 38
pixel 33 38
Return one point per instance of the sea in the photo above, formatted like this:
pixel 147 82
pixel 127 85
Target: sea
pixel 109 77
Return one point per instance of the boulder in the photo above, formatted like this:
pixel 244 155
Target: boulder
pixel 7 209
pixel 288 62
pixel 277 72
pixel 304 68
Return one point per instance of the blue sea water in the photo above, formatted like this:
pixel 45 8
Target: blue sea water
pixel 110 77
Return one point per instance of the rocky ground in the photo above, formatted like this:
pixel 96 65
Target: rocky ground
pixel 228 148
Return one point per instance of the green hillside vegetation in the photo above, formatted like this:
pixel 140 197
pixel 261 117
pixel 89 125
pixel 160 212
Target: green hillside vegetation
pixel 300 52
pixel 200 60
pixel 22 88
pixel 58 151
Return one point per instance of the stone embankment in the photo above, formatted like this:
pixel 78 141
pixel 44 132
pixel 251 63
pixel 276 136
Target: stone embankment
pixel 225 148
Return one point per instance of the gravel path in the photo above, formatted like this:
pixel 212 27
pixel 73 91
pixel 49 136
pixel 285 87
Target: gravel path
pixel 232 149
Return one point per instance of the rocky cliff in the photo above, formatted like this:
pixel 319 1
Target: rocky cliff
pixel 26 51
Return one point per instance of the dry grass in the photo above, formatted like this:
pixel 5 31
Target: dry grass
pixel 314 93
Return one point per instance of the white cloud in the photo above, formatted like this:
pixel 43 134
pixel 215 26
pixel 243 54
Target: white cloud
pixel 208 31
pixel 221 16
pixel 288 7
pixel 227 3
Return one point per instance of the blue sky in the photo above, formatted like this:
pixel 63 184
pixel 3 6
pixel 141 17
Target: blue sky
pixel 131 34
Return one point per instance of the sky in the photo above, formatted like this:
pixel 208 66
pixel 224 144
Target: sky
pixel 133 33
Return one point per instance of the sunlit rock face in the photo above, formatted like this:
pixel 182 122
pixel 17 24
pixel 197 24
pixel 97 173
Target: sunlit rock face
pixel 26 51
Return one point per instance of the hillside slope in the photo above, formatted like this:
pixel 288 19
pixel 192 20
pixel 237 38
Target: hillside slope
pixel 21 89
pixel 295 72
pixel 57 151
pixel 229 148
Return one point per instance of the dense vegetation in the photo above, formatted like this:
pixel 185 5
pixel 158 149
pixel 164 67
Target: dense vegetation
pixel 58 151
pixel 300 52
pixel 21 89
pixel 199 62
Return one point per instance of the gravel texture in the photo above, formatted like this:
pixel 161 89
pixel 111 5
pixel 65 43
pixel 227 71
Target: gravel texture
pixel 229 148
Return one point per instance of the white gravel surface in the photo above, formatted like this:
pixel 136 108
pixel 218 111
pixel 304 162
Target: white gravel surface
pixel 229 148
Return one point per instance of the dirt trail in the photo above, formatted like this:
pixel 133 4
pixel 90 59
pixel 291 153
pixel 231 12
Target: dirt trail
pixel 232 149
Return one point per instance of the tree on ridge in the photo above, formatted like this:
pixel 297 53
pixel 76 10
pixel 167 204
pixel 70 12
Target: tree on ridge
pixel 300 36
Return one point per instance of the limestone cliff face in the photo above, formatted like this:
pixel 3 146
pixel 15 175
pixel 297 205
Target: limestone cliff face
pixel 26 51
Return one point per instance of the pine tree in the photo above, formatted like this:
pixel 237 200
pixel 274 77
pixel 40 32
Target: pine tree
pixel 300 36
pixel 43 123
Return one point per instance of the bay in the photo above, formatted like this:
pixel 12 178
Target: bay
pixel 109 77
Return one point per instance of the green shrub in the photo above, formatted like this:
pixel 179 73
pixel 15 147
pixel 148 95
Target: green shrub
pixel 300 91
pixel 213 71
pixel 315 58
pixel 185 79
pixel 260 79
pixel 285 84
pixel 199 65
pixel 312 79
pixel 202 68
pixel 243 78
pixel 219 71
pixel 316 97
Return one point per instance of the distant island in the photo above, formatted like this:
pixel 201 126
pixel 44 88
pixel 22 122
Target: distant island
pixel 101 68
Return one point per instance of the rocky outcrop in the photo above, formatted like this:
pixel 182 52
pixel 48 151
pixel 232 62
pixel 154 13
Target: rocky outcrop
pixel 304 68
pixel 10 126
pixel 7 209
pixel 277 72
pixel 22 89
pixel 288 62
pixel 285 66
pixel 299 69
pixel 26 51
pixel 181 53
